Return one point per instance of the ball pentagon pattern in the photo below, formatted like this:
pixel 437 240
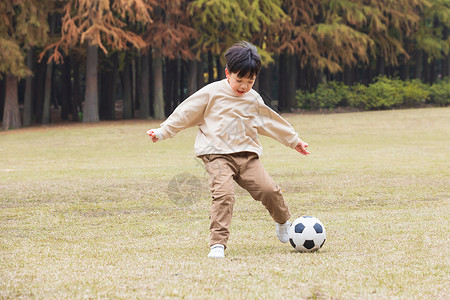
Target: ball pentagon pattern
pixel 307 234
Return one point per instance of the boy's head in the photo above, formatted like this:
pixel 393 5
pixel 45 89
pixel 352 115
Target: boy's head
pixel 243 63
pixel 243 59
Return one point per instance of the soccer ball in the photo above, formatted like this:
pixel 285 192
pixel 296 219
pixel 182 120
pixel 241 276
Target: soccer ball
pixel 307 234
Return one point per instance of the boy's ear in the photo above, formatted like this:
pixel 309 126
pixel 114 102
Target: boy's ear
pixel 227 74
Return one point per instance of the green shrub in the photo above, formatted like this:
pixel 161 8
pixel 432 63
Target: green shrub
pixel 303 99
pixel 440 92
pixel 415 92
pixel 358 97
pixel 384 93
pixel 326 96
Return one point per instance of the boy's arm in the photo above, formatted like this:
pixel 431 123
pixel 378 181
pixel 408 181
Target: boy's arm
pixel 271 124
pixel 189 113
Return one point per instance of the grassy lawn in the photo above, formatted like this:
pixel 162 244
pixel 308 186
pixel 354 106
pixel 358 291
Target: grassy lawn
pixel 96 211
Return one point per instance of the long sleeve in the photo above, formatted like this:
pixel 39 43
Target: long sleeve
pixel 271 124
pixel 228 123
pixel 188 114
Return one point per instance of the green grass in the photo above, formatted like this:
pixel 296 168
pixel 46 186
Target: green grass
pixel 86 212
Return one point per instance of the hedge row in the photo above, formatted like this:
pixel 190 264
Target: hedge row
pixel 383 93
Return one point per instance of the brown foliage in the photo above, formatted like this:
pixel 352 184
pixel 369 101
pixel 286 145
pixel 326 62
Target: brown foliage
pixel 100 22
pixel 170 32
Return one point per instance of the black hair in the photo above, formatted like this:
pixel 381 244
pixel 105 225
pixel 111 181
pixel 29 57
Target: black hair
pixel 243 59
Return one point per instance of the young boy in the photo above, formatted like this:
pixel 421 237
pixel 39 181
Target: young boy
pixel 230 115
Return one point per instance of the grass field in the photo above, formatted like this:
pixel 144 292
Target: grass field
pixel 90 211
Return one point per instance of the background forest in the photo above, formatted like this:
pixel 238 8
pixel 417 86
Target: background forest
pixel 91 60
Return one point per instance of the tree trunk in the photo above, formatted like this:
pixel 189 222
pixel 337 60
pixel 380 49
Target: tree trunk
pixel 256 84
pixel 446 59
pixel 446 66
pixel 108 88
pixel 369 72
pixel 66 93
pixel 107 110
pixel 291 83
pixel 264 82
pixel 426 69
pixel 433 75
pixel 127 91
pixel 419 65
pixel 348 75
pixel 151 86
pixel 170 85
pixel 210 67
pixel 302 78
pixel 192 77
pixel 28 98
pixel 321 77
pixel 405 71
pixel 158 104
pixel 48 80
pixel 11 113
pixel 56 91
pixel 220 69
pixel 136 72
pixel 175 92
pixel 380 66
pixel 76 100
pixel 265 86
pixel 183 82
pixel 287 82
pixel 47 94
pixel 39 90
pixel 282 103
pixel 200 73
pixel 2 96
pixel 90 113
pixel 144 106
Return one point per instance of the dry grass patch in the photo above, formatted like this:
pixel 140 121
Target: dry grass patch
pixel 88 211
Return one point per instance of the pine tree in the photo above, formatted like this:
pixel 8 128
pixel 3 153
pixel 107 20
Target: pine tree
pixel 23 25
pixel 99 24
pixel 388 24
pixel 432 35
pixel 221 23
pixel 335 36
pixel 169 36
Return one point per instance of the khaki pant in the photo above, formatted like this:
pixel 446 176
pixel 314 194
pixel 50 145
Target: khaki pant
pixel 246 169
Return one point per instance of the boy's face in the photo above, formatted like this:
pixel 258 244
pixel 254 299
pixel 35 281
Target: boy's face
pixel 240 85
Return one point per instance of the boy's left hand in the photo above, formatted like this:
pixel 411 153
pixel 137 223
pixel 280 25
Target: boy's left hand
pixel 301 147
pixel 152 135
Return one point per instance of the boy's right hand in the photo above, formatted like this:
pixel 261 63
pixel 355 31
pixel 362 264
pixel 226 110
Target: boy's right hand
pixel 152 135
pixel 301 147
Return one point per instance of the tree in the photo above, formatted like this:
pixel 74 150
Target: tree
pixel 333 37
pixel 169 36
pixel 222 23
pixel 432 36
pixel 23 25
pixel 28 102
pixel 48 79
pixel 226 22
pixel 99 24
pixel 324 35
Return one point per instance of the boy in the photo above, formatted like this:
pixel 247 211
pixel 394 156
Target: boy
pixel 230 115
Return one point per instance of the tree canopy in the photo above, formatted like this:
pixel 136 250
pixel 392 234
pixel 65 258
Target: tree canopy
pixel 301 41
pixel 23 24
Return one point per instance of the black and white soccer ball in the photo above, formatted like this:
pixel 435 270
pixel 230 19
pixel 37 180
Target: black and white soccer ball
pixel 307 234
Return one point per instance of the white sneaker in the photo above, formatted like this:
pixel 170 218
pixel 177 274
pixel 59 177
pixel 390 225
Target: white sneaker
pixel 217 251
pixel 282 231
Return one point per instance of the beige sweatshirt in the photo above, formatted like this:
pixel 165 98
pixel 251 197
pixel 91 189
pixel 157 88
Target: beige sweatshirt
pixel 228 123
